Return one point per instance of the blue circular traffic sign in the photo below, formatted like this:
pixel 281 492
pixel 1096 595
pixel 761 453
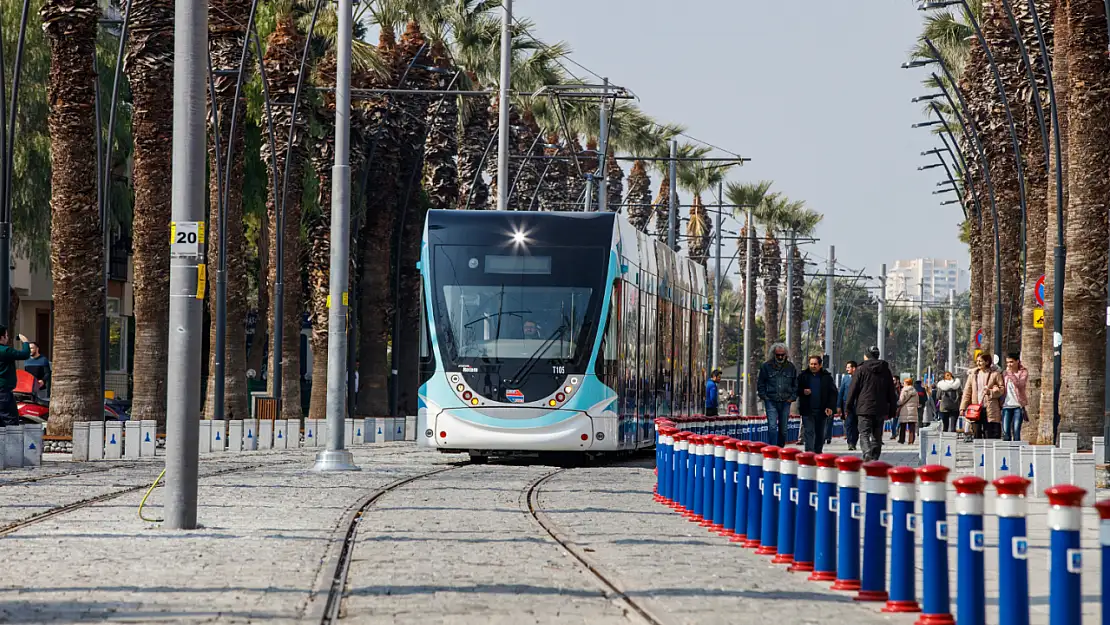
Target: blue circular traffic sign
pixel 1038 292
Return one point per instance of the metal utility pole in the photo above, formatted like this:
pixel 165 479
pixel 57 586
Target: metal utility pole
pixel 717 278
pixel 881 339
pixel 503 130
pixel 830 310
pixel 602 148
pixel 746 408
pixel 790 294
pixel 672 211
pixel 952 331
pixel 187 268
pixel 920 322
pixel 336 457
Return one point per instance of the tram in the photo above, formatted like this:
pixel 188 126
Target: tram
pixel 554 332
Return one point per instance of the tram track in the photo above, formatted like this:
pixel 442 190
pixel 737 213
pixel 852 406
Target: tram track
pixel 338 564
pixel 611 587
pixel 52 476
pixel 23 523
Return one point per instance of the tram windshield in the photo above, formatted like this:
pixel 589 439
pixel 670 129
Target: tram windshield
pixel 495 306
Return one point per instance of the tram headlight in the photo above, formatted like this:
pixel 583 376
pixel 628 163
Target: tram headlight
pixel 560 397
pixel 467 395
pixel 474 402
pixel 574 381
pixel 568 390
pixel 551 403
pixel 460 388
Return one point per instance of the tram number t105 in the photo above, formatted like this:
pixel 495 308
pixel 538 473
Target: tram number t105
pixel 558 369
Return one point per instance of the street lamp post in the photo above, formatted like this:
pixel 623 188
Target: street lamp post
pixel 336 457
pixel 503 106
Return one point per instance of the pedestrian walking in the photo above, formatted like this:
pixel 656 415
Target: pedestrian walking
pixel 894 415
pixel 816 402
pixel 851 423
pixel 38 366
pixel 908 412
pixel 712 395
pixel 948 399
pixel 9 412
pixel 981 402
pixel 1015 401
pixel 777 387
pixel 872 397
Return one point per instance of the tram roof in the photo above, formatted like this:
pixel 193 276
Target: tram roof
pixel 538 228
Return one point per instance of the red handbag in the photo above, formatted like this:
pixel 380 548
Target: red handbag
pixel 974 413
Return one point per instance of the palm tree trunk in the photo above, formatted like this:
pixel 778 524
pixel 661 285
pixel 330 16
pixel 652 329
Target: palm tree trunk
pixel 76 256
pixel 1083 352
pixel 441 173
pixel 476 135
pixel 227 21
pixel 1059 34
pixel 1037 222
pixel 149 66
pixel 374 292
pixel 772 274
pixel 797 301
pixel 661 206
pixel 282 61
pixel 638 209
pixel 975 275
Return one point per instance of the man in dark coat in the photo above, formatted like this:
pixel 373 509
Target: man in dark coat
pixel 816 402
pixel 777 387
pixel 874 399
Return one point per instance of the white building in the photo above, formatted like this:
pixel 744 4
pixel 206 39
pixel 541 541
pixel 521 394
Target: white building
pixel 939 277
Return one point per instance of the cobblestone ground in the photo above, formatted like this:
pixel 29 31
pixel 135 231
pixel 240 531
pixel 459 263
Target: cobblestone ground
pixel 461 547
pixel 256 559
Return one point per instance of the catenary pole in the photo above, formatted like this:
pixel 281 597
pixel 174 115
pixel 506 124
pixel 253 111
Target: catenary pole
pixel 790 292
pixel 830 312
pixel 881 339
pixel 920 322
pixel 336 457
pixel 672 201
pixel 748 294
pixel 717 278
pixel 603 151
pixel 952 331
pixel 503 129
pixel 186 270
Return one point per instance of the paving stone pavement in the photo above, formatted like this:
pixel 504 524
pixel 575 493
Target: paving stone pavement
pixel 461 547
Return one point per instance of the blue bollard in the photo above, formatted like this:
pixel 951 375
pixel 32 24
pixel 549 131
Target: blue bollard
pixel 681 464
pixel 824 542
pixel 661 457
pixel 709 486
pixel 934 546
pixel 805 506
pixel 970 555
pixel 849 515
pixel 769 527
pixel 728 519
pixel 1103 508
pixel 1065 519
pixel 755 494
pixel 718 516
pixel 697 489
pixel 903 524
pixel 873 578
pixel 743 457
pixel 788 501
pixel 1013 550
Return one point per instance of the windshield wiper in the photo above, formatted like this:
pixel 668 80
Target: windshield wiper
pixel 528 364
pixel 514 313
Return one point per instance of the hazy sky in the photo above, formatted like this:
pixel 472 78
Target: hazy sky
pixel 811 91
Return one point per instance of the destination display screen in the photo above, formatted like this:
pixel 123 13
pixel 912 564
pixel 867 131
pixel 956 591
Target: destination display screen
pixel 530 265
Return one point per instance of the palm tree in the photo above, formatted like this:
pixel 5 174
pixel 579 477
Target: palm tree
pixel 149 66
pixel 699 228
pixel 798 222
pixel 746 197
pixel 638 204
pixel 76 257
pixel 227 29
pixel 1084 356
pixel 282 60
pixel 771 214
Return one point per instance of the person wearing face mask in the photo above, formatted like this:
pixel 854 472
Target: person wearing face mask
pixel 816 401
pixel 777 387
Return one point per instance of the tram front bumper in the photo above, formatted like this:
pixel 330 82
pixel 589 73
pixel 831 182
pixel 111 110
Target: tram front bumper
pixel 449 430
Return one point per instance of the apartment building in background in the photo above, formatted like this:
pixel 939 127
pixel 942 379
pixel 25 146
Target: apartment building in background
pixel 939 276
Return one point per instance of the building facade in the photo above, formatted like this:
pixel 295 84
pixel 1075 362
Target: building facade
pixel 939 277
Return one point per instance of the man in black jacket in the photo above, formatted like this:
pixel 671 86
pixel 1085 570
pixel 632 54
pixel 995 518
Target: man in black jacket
pixel 816 402
pixel 874 399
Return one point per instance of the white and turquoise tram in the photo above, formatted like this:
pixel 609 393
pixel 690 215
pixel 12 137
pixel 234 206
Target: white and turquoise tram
pixel 555 332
